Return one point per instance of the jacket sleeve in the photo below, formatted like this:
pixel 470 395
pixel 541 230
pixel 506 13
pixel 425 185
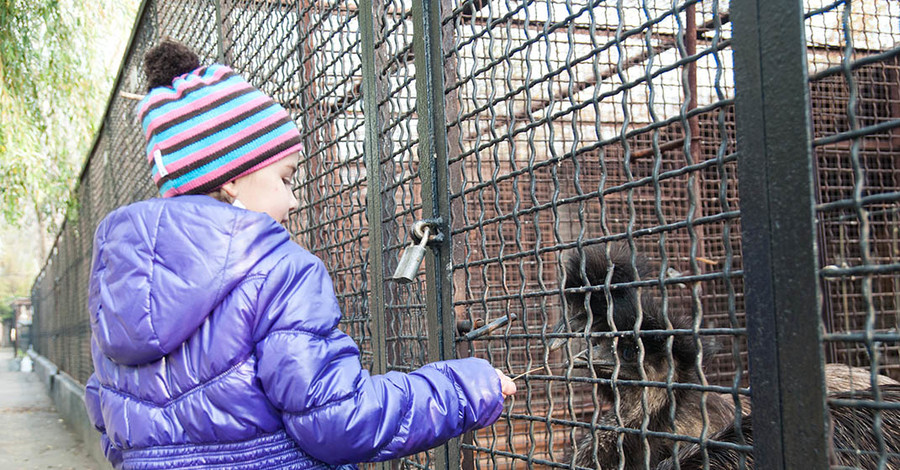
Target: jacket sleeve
pixel 92 404
pixel 333 408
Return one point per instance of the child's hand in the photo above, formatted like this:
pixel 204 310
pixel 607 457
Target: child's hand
pixel 507 386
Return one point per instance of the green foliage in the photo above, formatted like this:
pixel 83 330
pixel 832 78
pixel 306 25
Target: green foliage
pixel 57 63
pixel 19 261
pixel 53 86
pixel 6 311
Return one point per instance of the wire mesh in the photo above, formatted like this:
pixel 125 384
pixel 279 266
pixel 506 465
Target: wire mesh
pixel 577 125
pixel 405 313
pixel 855 94
pixel 326 101
pixel 573 127
pixel 113 176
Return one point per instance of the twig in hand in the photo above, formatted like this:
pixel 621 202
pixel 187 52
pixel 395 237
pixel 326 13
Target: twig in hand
pixel 131 96
pixel 526 373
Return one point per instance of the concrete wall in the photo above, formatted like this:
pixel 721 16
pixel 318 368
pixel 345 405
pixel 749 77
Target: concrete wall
pixel 5 342
pixel 68 396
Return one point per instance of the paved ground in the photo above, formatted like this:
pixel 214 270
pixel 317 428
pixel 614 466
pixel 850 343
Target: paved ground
pixel 32 434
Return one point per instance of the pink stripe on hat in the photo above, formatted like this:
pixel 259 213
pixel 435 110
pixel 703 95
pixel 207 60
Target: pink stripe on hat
pixel 218 147
pixel 212 123
pixel 262 150
pixel 219 172
pixel 180 87
pixel 184 110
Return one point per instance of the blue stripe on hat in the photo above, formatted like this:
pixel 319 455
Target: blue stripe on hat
pixel 190 98
pixel 218 136
pixel 201 118
pixel 225 159
pixel 170 92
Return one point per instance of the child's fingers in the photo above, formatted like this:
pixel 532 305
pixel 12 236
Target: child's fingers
pixel 507 386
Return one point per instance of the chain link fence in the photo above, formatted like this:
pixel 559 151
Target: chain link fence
pixel 535 138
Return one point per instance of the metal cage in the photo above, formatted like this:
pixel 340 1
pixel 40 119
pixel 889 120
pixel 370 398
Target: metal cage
pixel 749 153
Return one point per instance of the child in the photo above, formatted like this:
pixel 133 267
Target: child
pixel 215 338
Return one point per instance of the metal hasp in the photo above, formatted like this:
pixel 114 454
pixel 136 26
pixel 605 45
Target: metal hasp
pixel 775 165
pixel 490 327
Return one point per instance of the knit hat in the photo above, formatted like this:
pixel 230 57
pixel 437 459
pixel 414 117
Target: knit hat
pixel 210 127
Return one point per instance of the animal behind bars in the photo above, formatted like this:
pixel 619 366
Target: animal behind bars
pixel 643 426
pixel 619 359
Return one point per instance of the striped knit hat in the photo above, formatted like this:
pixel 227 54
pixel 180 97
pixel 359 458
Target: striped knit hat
pixel 210 127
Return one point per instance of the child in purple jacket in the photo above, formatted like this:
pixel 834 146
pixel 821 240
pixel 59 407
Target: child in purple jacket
pixel 215 337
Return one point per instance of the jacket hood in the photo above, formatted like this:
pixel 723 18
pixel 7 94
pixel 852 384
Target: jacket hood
pixel 161 266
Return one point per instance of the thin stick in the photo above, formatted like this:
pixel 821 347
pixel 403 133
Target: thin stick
pixel 131 96
pixel 526 373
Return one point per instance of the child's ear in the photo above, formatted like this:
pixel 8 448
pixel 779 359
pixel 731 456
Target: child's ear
pixel 230 189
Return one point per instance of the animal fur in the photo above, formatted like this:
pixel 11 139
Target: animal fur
pixel 844 378
pixel 852 429
pixel 589 267
pixel 599 449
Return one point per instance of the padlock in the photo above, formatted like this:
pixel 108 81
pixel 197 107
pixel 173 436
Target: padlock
pixel 411 260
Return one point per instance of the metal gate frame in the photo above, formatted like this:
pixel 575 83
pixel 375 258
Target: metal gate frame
pixel 433 171
pixel 777 198
pixel 774 143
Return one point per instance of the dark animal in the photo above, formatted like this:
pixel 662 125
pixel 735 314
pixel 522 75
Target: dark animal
pixel 854 443
pixel 616 359
pixel 589 301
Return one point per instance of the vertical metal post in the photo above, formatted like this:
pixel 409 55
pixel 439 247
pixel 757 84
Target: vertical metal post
pixel 374 123
pixel 310 110
pixel 692 143
pixel 778 232
pixel 457 209
pixel 220 29
pixel 434 173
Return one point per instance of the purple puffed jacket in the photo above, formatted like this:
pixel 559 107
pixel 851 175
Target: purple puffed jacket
pixel 215 345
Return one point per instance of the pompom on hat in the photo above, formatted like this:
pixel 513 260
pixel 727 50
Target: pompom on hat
pixel 210 127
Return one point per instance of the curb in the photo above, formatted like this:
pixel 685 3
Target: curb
pixel 68 397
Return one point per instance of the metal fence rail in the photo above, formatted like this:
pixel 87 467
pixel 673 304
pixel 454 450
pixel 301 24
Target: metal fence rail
pixel 535 136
